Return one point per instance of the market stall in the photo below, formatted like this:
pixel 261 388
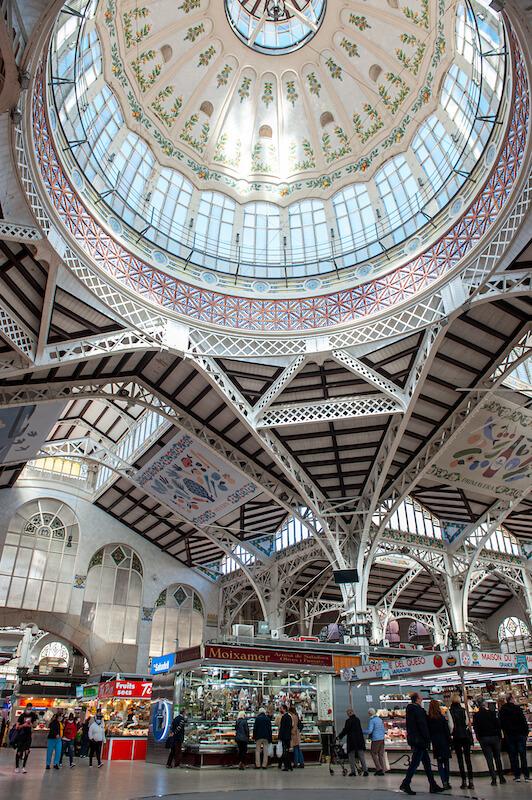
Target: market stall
pixel 125 705
pixel 387 686
pixel 214 682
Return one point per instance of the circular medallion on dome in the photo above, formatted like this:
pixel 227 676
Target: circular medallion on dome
pixel 275 26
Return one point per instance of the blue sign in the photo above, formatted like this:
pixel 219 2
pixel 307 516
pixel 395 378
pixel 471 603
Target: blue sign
pixel 79 692
pixel 386 673
pixel 161 719
pixel 521 664
pixel 162 664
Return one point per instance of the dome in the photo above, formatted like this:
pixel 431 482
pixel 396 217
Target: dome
pixel 273 155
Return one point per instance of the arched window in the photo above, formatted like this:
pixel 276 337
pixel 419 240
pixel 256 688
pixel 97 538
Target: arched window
pixel 417 632
pixel 261 241
pixel 214 226
pixel 177 621
pixel 514 636
pixel 38 558
pixel 355 219
pixel 400 196
pixel 309 237
pixel 54 654
pixel 113 594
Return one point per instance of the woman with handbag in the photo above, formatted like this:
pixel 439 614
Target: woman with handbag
pixel 440 737
pixel 462 739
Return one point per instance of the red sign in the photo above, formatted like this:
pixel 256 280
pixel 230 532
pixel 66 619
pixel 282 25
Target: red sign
pixel 254 655
pixel 125 689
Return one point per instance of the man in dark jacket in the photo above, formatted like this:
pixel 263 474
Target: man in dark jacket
pixel 418 737
pixel 515 729
pixel 174 742
pixel 285 737
pixel 262 735
pixel 488 731
pixel 355 742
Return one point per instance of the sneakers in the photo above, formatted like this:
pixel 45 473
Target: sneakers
pixel 24 770
pixel 436 789
pixel 463 785
pixel 47 766
pixel 471 785
pixel 17 769
pixel 527 780
pixel 406 788
pixel 447 786
pixel 502 780
pixel 56 766
pixel 494 781
pixel 517 780
pixel 366 773
pixel 100 764
pixel 72 765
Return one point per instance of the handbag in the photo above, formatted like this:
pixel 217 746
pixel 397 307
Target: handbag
pixel 270 750
pixel 279 750
pixel 170 742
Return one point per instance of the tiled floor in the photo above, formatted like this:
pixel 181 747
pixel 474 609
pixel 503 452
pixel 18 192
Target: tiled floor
pixel 126 781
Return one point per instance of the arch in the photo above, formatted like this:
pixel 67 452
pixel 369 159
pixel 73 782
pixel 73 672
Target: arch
pixel 178 621
pixel 514 635
pixel 113 594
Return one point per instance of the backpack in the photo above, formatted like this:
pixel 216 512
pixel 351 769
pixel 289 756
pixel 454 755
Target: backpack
pixel 12 737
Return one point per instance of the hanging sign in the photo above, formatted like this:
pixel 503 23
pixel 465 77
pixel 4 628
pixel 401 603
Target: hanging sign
pixel 162 664
pixel 255 655
pixel 125 689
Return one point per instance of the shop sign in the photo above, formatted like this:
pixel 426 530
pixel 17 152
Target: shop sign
pixel 90 692
pixel 161 664
pixel 125 689
pixel 521 664
pixel 79 692
pixel 473 658
pixel 384 670
pixel 189 654
pixel 256 655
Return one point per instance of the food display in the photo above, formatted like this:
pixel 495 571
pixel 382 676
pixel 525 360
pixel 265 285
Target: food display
pixel 124 717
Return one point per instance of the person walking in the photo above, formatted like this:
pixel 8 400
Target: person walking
pixel 174 743
pixel 70 730
pixel 418 738
pixel 515 728
pixel 376 732
pixel 96 739
pixel 285 737
pixel 262 736
pixel 462 740
pixel 295 742
pixel 242 738
pixel 355 742
pixel 488 731
pixel 85 737
pixel 22 741
pixel 54 743
pixel 440 737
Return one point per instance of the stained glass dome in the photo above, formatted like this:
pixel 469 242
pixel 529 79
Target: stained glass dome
pixel 275 26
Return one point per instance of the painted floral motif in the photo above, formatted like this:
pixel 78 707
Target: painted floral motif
pixel 334 68
pixel 291 93
pixel 243 91
pixel 350 48
pixel 141 32
pixel 189 5
pixel 313 84
pixel 262 158
pixel 359 22
pixel 221 155
pixel 223 76
pixel 309 160
pixel 342 150
pixel 166 114
pixel 366 132
pixel 206 56
pixel 145 80
pixel 187 134
pixel 412 62
pixel 267 93
pixel 420 18
pixel 390 102
pixel 137 111
pixel 194 32
pixel 117 68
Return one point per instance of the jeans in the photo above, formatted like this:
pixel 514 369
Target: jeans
pixel 462 748
pixel 517 753
pixel 419 755
pixel 53 751
pixel 261 752
pixel 377 754
pixel 174 755
pixel 299 761
pixel 242 751
pixel 68 750
pixel 95 749
pixel 353 755
pixel 443 770
pixel 491 747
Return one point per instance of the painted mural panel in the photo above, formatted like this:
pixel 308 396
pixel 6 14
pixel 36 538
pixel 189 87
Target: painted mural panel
pixel 494 455
pixel 24 429
pixel 199 484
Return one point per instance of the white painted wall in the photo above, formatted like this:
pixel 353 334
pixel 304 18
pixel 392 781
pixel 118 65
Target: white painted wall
pixel 97 528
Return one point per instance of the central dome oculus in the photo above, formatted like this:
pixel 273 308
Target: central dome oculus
pixel 275 27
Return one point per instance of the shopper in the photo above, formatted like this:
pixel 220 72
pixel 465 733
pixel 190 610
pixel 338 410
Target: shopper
pixel 54 743
pixel 96 739
pixel 242 738
pixel 515 728
pixel 462 741
pixel 355 742
pixel 375 731
pixel 22 740
pixel 262 736
pixel 295 742
pixel 174 743
pixel 85 737
pixel 488 731
pixel 285 737
pixel 70 730
pixel 440 737
pixel 418 738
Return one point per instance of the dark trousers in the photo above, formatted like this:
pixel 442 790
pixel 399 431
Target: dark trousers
pixel 286 760
pixel 21 756
pixel 491 747
pixel 84 746
pixel 68 750
pixel 462 748
pixel 95 749
pixel 443 769
pixel 419 755
pixel 174 755
pixel 517 753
